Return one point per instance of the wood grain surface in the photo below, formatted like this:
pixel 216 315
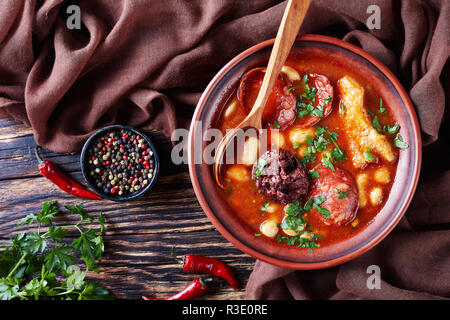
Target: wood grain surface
pixel 145 239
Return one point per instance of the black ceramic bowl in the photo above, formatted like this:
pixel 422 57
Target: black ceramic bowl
pixel 85 165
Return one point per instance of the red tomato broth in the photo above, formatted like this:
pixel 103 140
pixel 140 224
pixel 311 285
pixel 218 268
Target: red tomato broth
pixel 244 197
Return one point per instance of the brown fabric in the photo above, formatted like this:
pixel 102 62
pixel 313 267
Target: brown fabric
pixel 147 62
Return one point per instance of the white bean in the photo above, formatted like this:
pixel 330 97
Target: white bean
pixel 382 175
pixel 362 180
pixel 291 73
pixel 291 232
pixel 299 135
pixel 376 196
pixel 238 173
pixel 277 139
pixel 250 153
pixel 272 208
pixel 269 228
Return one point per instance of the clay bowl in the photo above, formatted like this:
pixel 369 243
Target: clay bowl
pixel 228 223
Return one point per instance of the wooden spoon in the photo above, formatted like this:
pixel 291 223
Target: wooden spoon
pixel 290 24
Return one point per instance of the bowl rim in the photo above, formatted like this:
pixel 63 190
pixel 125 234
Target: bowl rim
pixel 415 128
pixel 83 164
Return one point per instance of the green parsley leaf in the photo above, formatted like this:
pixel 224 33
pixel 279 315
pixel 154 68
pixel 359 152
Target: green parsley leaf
pixel 101 221
pixel 380 107
pixel 229 190
pixel 78 209
pixel 313 174
pixel 368 155
pixel 90 245
pixel 49 210
pixel 341 195
pixel 376 125
pixel 33 264
pixel 305 78
pixel 341 107
pixel 56 233
pixel 59 257
pixel 293 209
pixel 29 219
pixel 399 143
pixel 275 124
pixel 264 207
pixel 391 129
pixel 290 89
pixel 34 243
pixel 327 161
pixel 323 211
pixel 260 165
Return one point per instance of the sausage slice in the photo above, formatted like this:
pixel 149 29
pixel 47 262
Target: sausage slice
pixel 322 100
pixel 280 105
pixel 340 192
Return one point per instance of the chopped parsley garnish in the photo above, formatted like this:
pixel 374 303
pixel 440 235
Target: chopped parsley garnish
pixel 294 217
pixel 391 130
pixel 399 143
pixel 313 174
pixel 327 100
pixel 310 93
pixel 290 89
pixel 341 195
pixel 368 155
pixel 376 125
pixel 324 212
pixel 341 107
pixel 327 161
pixel 385 129
pixel 303 242
pixel 293 209
pixel 258 234
pixel 264 206
pixel 380 107
pixel 304 109
pixel 275 124
pixel 295 221
pixel 305 79
pixel 260 165
pixel 296 145
pixel 323 138
pixel 315 203
pixel 229 190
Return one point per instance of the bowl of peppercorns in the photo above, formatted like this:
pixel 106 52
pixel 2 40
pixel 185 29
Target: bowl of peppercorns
pixel 119 162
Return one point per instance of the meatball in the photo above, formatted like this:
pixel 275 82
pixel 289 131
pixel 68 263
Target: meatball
pixel 280 176
pixel 340 192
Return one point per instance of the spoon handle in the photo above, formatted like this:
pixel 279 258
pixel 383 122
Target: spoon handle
pixel 287 32
pixel 290 24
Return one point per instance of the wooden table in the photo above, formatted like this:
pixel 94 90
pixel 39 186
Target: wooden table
pixel 145 239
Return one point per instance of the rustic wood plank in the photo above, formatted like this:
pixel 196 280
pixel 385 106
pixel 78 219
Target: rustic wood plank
pixel 145 239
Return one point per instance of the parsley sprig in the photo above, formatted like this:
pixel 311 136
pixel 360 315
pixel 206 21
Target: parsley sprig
pixel 321 142
pixel 42 265
pixel 296 221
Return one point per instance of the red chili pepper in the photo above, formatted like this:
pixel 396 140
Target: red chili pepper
pixel 212 266
pixel 195 289
pixel 58 177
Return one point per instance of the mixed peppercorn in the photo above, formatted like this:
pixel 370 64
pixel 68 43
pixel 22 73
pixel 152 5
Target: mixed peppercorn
pixel 120 163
